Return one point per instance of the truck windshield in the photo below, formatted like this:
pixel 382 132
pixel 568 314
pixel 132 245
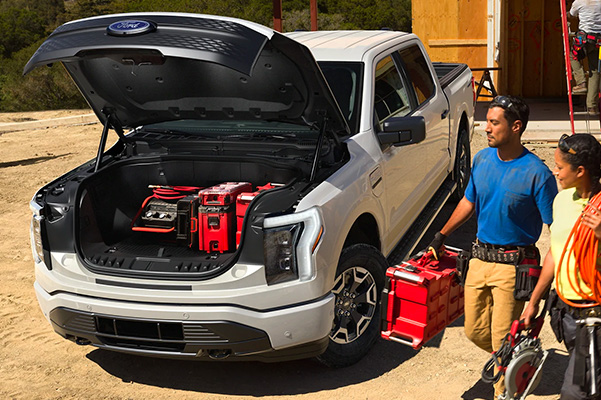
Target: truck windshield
pixel 344 79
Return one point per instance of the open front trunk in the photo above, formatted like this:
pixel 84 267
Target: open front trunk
pixel 119 235
pixel 207 100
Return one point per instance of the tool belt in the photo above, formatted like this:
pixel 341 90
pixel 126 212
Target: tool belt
pixel 579 338
pixel 504 254
pixel 526 260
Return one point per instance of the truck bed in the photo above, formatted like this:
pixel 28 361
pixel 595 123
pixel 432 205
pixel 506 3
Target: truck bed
pixel 448 72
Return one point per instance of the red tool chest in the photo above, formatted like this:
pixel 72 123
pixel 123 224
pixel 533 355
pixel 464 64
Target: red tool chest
pixel 242 202
pixel 216 216
pixel 421 298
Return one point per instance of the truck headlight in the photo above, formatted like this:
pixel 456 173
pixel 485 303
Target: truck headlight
pixel 289 242
pixel 279 249
pixel 36 238
pixel 35 233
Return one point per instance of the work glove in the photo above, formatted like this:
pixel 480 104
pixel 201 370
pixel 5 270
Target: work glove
pixel 436 246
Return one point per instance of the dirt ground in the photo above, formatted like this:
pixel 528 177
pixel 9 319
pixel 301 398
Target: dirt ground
pixel 36 363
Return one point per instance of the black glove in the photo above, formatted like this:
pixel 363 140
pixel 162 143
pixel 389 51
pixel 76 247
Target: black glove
pixel 437 245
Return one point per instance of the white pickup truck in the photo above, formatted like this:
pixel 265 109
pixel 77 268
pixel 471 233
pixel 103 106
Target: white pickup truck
pixel 359 136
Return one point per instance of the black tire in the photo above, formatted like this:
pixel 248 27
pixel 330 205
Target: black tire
pixel 358 287
pixel 463 165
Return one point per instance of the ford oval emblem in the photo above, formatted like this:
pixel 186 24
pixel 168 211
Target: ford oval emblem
pixel 130 27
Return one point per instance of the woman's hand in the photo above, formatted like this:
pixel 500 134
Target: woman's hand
pixel 530 312
pixel 592 219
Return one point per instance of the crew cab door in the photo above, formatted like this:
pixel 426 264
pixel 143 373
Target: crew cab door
pixel 405 85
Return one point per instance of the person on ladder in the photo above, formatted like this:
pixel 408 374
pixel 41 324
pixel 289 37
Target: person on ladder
pixel 578 171
pixel 588 13
pixel 576 55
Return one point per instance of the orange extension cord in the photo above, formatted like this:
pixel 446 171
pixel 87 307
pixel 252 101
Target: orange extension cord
pixel 585 249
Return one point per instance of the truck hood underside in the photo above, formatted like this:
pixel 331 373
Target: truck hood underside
pixel 152 67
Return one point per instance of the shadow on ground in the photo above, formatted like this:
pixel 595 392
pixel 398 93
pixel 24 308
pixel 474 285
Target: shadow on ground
pixel 30 161
pixel 550 383
pixel 251 378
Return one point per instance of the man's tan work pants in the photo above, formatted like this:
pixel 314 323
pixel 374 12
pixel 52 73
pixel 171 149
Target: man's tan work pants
pixel 490 308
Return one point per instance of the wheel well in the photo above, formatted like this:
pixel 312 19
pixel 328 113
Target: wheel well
pixel 463 123
pixel 364 230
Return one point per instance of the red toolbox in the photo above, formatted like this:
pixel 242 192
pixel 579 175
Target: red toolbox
pixel 242 202
pixel 216 216
pixel 224 194
pixel 421 298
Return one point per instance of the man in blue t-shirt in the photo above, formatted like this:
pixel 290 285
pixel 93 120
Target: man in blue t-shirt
pixel 512 191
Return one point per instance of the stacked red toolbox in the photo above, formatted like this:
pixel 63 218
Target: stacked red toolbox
pixel 216 216
pixel 421 299
pixel 242 202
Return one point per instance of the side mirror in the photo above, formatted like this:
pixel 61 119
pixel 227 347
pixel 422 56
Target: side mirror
pixel 401 131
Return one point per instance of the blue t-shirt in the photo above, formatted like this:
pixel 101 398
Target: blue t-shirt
pixel 512 198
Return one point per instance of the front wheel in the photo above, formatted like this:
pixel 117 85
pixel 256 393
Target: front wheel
pixel 359 282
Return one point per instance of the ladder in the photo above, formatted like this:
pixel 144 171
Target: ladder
pixel 566 51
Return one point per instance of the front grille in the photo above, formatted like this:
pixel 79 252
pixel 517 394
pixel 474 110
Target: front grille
pixel 200 333
pixel 80 323
pixel 140 329
pixel 143 345
pixel 159 336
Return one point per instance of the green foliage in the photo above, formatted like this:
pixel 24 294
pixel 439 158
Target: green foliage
pixel 19 28
pixel 300 20
pixel 23 24
pixel 44 88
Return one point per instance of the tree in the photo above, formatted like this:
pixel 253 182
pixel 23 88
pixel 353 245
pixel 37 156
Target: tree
pixel 18 29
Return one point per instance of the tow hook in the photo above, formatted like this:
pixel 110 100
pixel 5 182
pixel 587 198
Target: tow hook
pixel 82 341
pixel 219 354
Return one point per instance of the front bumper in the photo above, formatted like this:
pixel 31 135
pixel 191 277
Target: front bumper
pixel 191 331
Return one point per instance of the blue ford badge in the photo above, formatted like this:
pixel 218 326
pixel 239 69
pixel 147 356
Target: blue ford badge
pixel 130 27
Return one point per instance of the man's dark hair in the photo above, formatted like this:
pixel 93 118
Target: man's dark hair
pixel 515 109
pixel 582 149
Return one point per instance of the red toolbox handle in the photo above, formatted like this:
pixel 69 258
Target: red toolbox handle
pixel 408 276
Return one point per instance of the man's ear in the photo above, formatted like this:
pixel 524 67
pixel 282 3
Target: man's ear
pixel 516 127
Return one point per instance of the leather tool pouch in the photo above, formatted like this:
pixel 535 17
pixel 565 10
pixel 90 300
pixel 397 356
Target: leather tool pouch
pixel 526 277
pixel 463 264
pixel 557 313
pixel 527 272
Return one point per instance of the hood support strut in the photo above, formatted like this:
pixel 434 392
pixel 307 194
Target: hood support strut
pixel 322 133
pixel 111 122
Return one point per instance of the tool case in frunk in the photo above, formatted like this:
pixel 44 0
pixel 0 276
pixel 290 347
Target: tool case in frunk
pixel 217 216
pixel 243 201
pixel 422 296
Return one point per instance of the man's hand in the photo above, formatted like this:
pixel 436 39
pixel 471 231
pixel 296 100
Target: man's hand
pixel 529 313
pixel 437 245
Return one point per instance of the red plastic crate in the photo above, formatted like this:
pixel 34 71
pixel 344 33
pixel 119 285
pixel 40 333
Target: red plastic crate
pixel 422 298
pixel 223 194
pixel 243 201
pixel 216 229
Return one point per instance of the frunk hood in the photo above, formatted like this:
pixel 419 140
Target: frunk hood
pixel 153 67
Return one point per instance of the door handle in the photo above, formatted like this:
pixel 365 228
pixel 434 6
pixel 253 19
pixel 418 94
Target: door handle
pixel 444 114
